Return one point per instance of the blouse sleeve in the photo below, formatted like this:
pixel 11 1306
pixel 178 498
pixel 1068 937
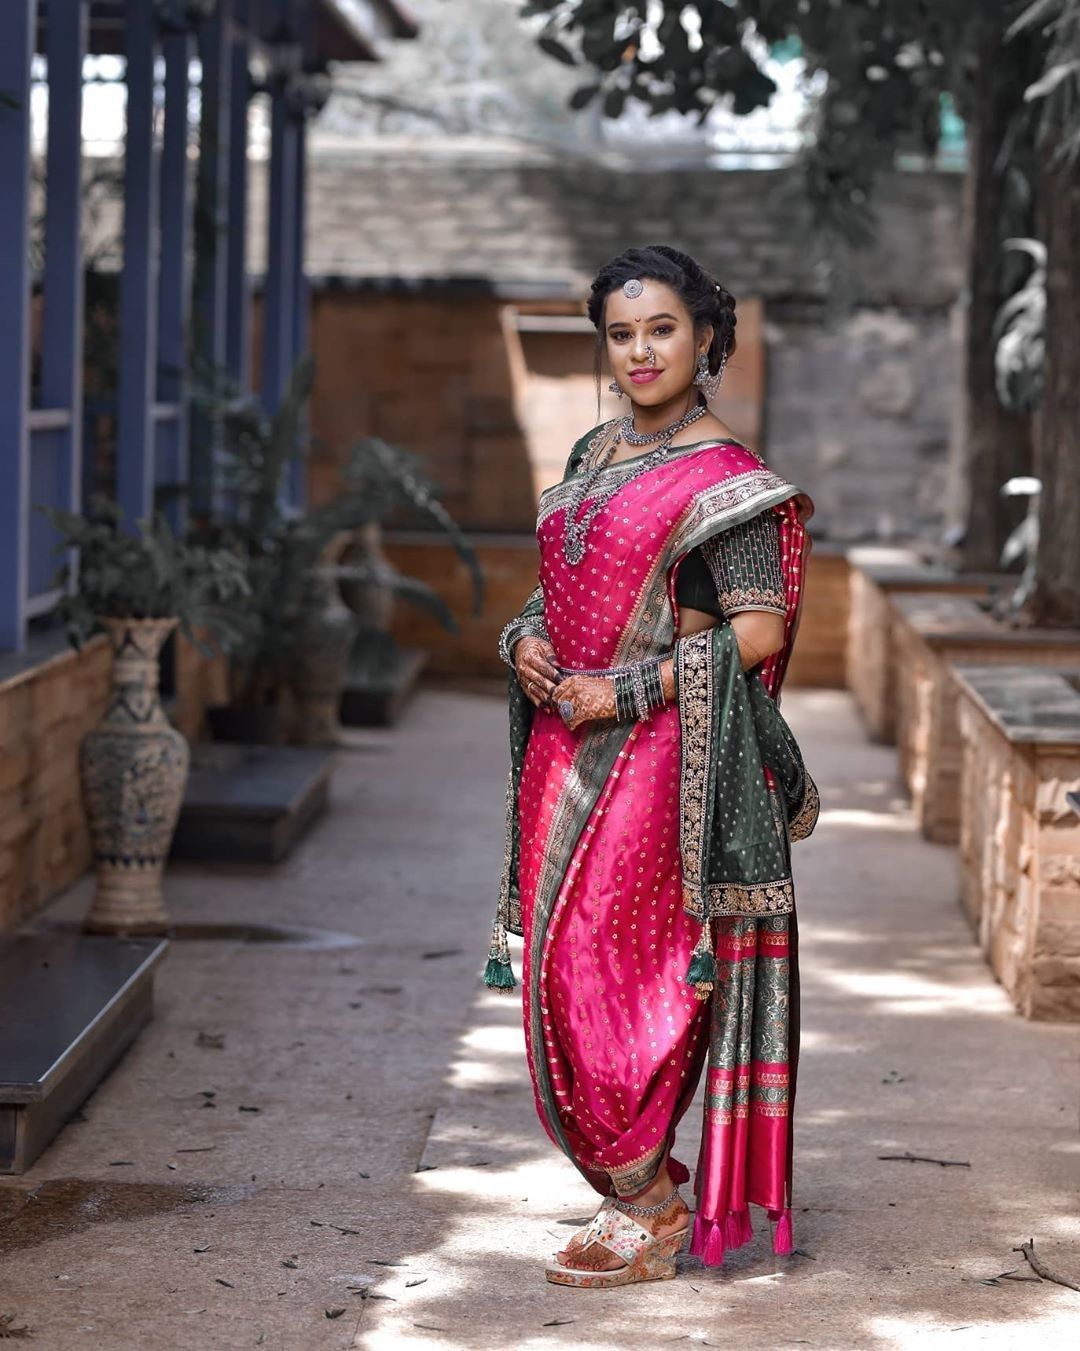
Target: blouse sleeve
pixel 745 565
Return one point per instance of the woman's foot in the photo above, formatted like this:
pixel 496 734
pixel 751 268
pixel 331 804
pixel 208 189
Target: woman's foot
pixel 672 1218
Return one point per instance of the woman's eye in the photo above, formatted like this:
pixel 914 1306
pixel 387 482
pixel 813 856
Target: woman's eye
pixel 663 328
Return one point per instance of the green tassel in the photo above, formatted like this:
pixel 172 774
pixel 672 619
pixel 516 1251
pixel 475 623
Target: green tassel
pixel 701 973
pixel 499 974
pixel 702 969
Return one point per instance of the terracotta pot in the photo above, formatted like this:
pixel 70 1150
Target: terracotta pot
pixel 317 671
pixel 134 770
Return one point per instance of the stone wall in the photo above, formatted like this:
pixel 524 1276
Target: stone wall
pixel 1020 838
pixel 859 412
pixel 510 213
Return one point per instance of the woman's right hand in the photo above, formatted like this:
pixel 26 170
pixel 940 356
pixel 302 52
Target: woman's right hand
pixel 534 662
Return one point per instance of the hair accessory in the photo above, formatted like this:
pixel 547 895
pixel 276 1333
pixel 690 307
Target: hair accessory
pixel 633 288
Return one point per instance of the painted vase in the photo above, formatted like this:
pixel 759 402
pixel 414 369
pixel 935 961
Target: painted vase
pixel 134 770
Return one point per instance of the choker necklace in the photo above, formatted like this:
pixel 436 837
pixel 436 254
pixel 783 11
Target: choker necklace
pixel 633 438
pixel 575 528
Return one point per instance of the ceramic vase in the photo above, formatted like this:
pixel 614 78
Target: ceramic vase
pixel 372 602
pixel 317 670
pixel 134 770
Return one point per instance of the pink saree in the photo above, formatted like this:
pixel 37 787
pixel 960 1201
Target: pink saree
pixel 616 1038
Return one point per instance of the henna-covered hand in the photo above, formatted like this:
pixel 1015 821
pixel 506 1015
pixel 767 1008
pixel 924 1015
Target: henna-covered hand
pixel 593 697
pixel 534 663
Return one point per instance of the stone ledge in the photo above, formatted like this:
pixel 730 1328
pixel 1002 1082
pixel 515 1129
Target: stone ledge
pixel 43 651
pixel 1019 832
pixel 1027 706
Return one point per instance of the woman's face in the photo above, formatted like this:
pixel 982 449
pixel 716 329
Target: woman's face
pixel 657 318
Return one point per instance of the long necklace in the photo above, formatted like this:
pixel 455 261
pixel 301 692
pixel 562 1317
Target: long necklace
pixel 576 528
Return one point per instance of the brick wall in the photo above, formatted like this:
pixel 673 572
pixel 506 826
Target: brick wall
pixel 44 714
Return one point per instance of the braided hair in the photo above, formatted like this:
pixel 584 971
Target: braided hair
pixel 707 301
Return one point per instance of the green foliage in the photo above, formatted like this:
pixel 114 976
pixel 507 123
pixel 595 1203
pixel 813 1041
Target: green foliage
pixel 282 548
pixel 383 481
pixel 889 68
pixel 1056 93
pixel 152 575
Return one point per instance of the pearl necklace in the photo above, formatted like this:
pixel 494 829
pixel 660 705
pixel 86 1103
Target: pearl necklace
pixel 576 528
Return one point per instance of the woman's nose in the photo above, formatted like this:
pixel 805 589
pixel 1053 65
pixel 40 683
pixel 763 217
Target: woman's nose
pixel 639 349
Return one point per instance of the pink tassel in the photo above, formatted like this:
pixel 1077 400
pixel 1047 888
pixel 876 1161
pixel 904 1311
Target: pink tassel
pixel 737 1228
pixel 713 1255
pixel 782 1238
pixel 698 1236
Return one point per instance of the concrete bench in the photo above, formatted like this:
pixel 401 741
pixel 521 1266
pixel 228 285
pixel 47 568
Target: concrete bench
pixel 70 1006
pixel 250 804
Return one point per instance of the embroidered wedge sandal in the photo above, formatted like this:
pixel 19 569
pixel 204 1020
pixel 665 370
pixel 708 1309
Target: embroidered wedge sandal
pixel 645 1257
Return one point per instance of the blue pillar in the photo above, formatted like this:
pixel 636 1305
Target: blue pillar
pixel 210 329
pixel 300 297
pixel 62 320
pixel 16 52
pixel 280 290
pixel 138 284
pixel 238 305
pixel 174 289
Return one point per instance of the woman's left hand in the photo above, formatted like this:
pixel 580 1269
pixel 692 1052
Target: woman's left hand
pixel 592 696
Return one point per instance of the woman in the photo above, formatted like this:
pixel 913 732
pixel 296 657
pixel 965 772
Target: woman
pixel 654 791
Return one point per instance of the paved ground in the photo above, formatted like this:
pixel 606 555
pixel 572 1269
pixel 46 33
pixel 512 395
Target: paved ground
pixel 394 1169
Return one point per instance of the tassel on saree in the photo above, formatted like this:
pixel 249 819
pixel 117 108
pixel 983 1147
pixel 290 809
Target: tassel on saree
pixel 711 1239
pixel 499 974
pixel 783 1241
pixel 701 973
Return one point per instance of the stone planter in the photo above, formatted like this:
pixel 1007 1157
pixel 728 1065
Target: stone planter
pixel 1019 835
pixel 932 633
pixel 876 573
pixel 133 770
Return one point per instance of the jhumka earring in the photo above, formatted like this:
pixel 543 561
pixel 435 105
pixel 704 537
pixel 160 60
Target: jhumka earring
pixel 702 376
pixel 614 387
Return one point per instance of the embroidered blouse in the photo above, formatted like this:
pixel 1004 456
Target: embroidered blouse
pixel 739 569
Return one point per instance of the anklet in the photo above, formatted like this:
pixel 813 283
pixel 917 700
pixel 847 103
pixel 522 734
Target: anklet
pixel 633 1209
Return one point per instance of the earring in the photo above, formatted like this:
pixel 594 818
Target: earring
pixel 614 387
pixel 703 376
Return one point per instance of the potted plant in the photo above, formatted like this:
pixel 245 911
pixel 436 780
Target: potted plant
pixel 133 767
pixel 292 631
pixel 385 483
